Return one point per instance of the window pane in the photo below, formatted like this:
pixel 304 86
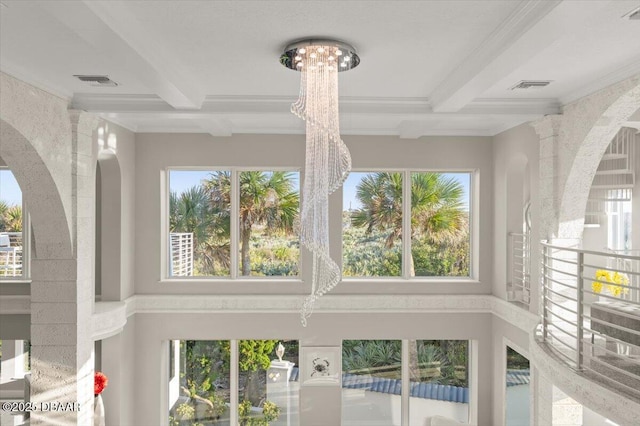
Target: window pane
pixel 517 394
pixel 372 225
pixel 199 223
pixel 371 382
pixel 200 394
pixel 440 224
pixel 11 244
pixel 439 379
pixel 268 389
pixel 269 206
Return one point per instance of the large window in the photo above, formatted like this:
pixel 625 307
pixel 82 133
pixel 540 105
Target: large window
pixel 201 389
pixel 374 372
pixel 200 393
pixel 14 253
pixel 380 208
pixel 263 207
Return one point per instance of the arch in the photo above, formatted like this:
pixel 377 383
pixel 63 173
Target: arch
pixel 517 196
pixel 40 192
pixel 574 197
pixel 108 225
pixel 518 190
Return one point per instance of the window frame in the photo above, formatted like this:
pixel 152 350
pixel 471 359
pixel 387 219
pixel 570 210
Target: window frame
pixel 406 227
pixel 25 277
pixel 234 236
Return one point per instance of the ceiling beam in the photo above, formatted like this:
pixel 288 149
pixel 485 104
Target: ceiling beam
pixel 111 30
pixel 530 29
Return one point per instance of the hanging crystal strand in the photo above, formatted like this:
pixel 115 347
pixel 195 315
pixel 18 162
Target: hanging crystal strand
pixel 327 165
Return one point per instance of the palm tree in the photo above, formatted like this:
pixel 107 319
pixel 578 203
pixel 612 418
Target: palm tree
pixel 437 213
pixel 193 211
pixel 3 210
pixel 266 199
pixel 10 217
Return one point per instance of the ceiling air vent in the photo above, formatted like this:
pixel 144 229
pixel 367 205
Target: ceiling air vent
pixel 97 80
pixel 531 84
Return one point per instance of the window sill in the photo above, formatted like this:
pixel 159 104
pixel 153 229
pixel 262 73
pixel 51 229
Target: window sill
pixel 228 280
pixel 16 281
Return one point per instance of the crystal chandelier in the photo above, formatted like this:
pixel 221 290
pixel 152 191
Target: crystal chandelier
pixel 327 160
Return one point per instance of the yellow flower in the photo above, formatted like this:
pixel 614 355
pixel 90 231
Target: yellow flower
pixel 596 286
pixel 603 276
pixel 614 290
pixel 619 278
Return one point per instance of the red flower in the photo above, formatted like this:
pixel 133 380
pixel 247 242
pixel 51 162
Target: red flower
pixel 100 382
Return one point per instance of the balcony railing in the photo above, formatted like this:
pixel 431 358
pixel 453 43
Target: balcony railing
pixel 591 313
pixel 181 264
pixel 519 286
pixel 11 254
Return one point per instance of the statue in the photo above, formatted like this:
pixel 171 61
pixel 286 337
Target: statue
pixel 280 351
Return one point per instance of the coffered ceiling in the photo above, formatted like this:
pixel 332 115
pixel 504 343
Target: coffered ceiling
pixel 428 67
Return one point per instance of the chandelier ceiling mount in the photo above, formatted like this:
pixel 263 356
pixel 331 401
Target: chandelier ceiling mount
pixel 320 52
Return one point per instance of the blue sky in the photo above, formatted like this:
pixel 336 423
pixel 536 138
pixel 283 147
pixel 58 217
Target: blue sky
pixel 182 180
pixel 10 191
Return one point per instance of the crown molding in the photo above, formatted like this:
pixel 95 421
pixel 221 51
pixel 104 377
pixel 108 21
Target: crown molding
pixel 620 74
pixel 226 115
pixel 230 105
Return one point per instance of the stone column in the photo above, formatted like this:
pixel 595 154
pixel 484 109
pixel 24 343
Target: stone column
pixel 542 399
pixel 62 301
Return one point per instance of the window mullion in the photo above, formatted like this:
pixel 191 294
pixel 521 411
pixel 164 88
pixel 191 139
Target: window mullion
pixel 26 243
pixel 406 388
pixel 406 224
pixel 235 222
pixel 234 381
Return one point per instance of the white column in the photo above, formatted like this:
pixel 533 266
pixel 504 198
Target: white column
pixel 12 371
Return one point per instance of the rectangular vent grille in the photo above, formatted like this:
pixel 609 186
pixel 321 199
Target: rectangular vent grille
pixel 531 84
pixel 97 80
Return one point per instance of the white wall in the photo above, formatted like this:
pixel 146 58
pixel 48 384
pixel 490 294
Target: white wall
pixel 120 146
pixel 319 405
pixel 156 152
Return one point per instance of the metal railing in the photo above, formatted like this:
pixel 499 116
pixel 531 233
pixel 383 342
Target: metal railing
pixel 181 264
pixel 519 285
pixel 11 254
pixel 591 313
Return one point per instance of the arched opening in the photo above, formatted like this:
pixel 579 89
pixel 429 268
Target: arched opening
pixel 108 227
pixel 518 210
pixel 48 219
pixel 583 168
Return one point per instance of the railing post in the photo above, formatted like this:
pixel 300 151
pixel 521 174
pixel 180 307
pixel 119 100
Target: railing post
pixel 545 258
pixel 579 310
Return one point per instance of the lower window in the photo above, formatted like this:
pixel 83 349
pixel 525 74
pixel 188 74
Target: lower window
pixel 438 374
pixel 201 385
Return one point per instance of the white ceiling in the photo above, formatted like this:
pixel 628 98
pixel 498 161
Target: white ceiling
pixel 427 67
